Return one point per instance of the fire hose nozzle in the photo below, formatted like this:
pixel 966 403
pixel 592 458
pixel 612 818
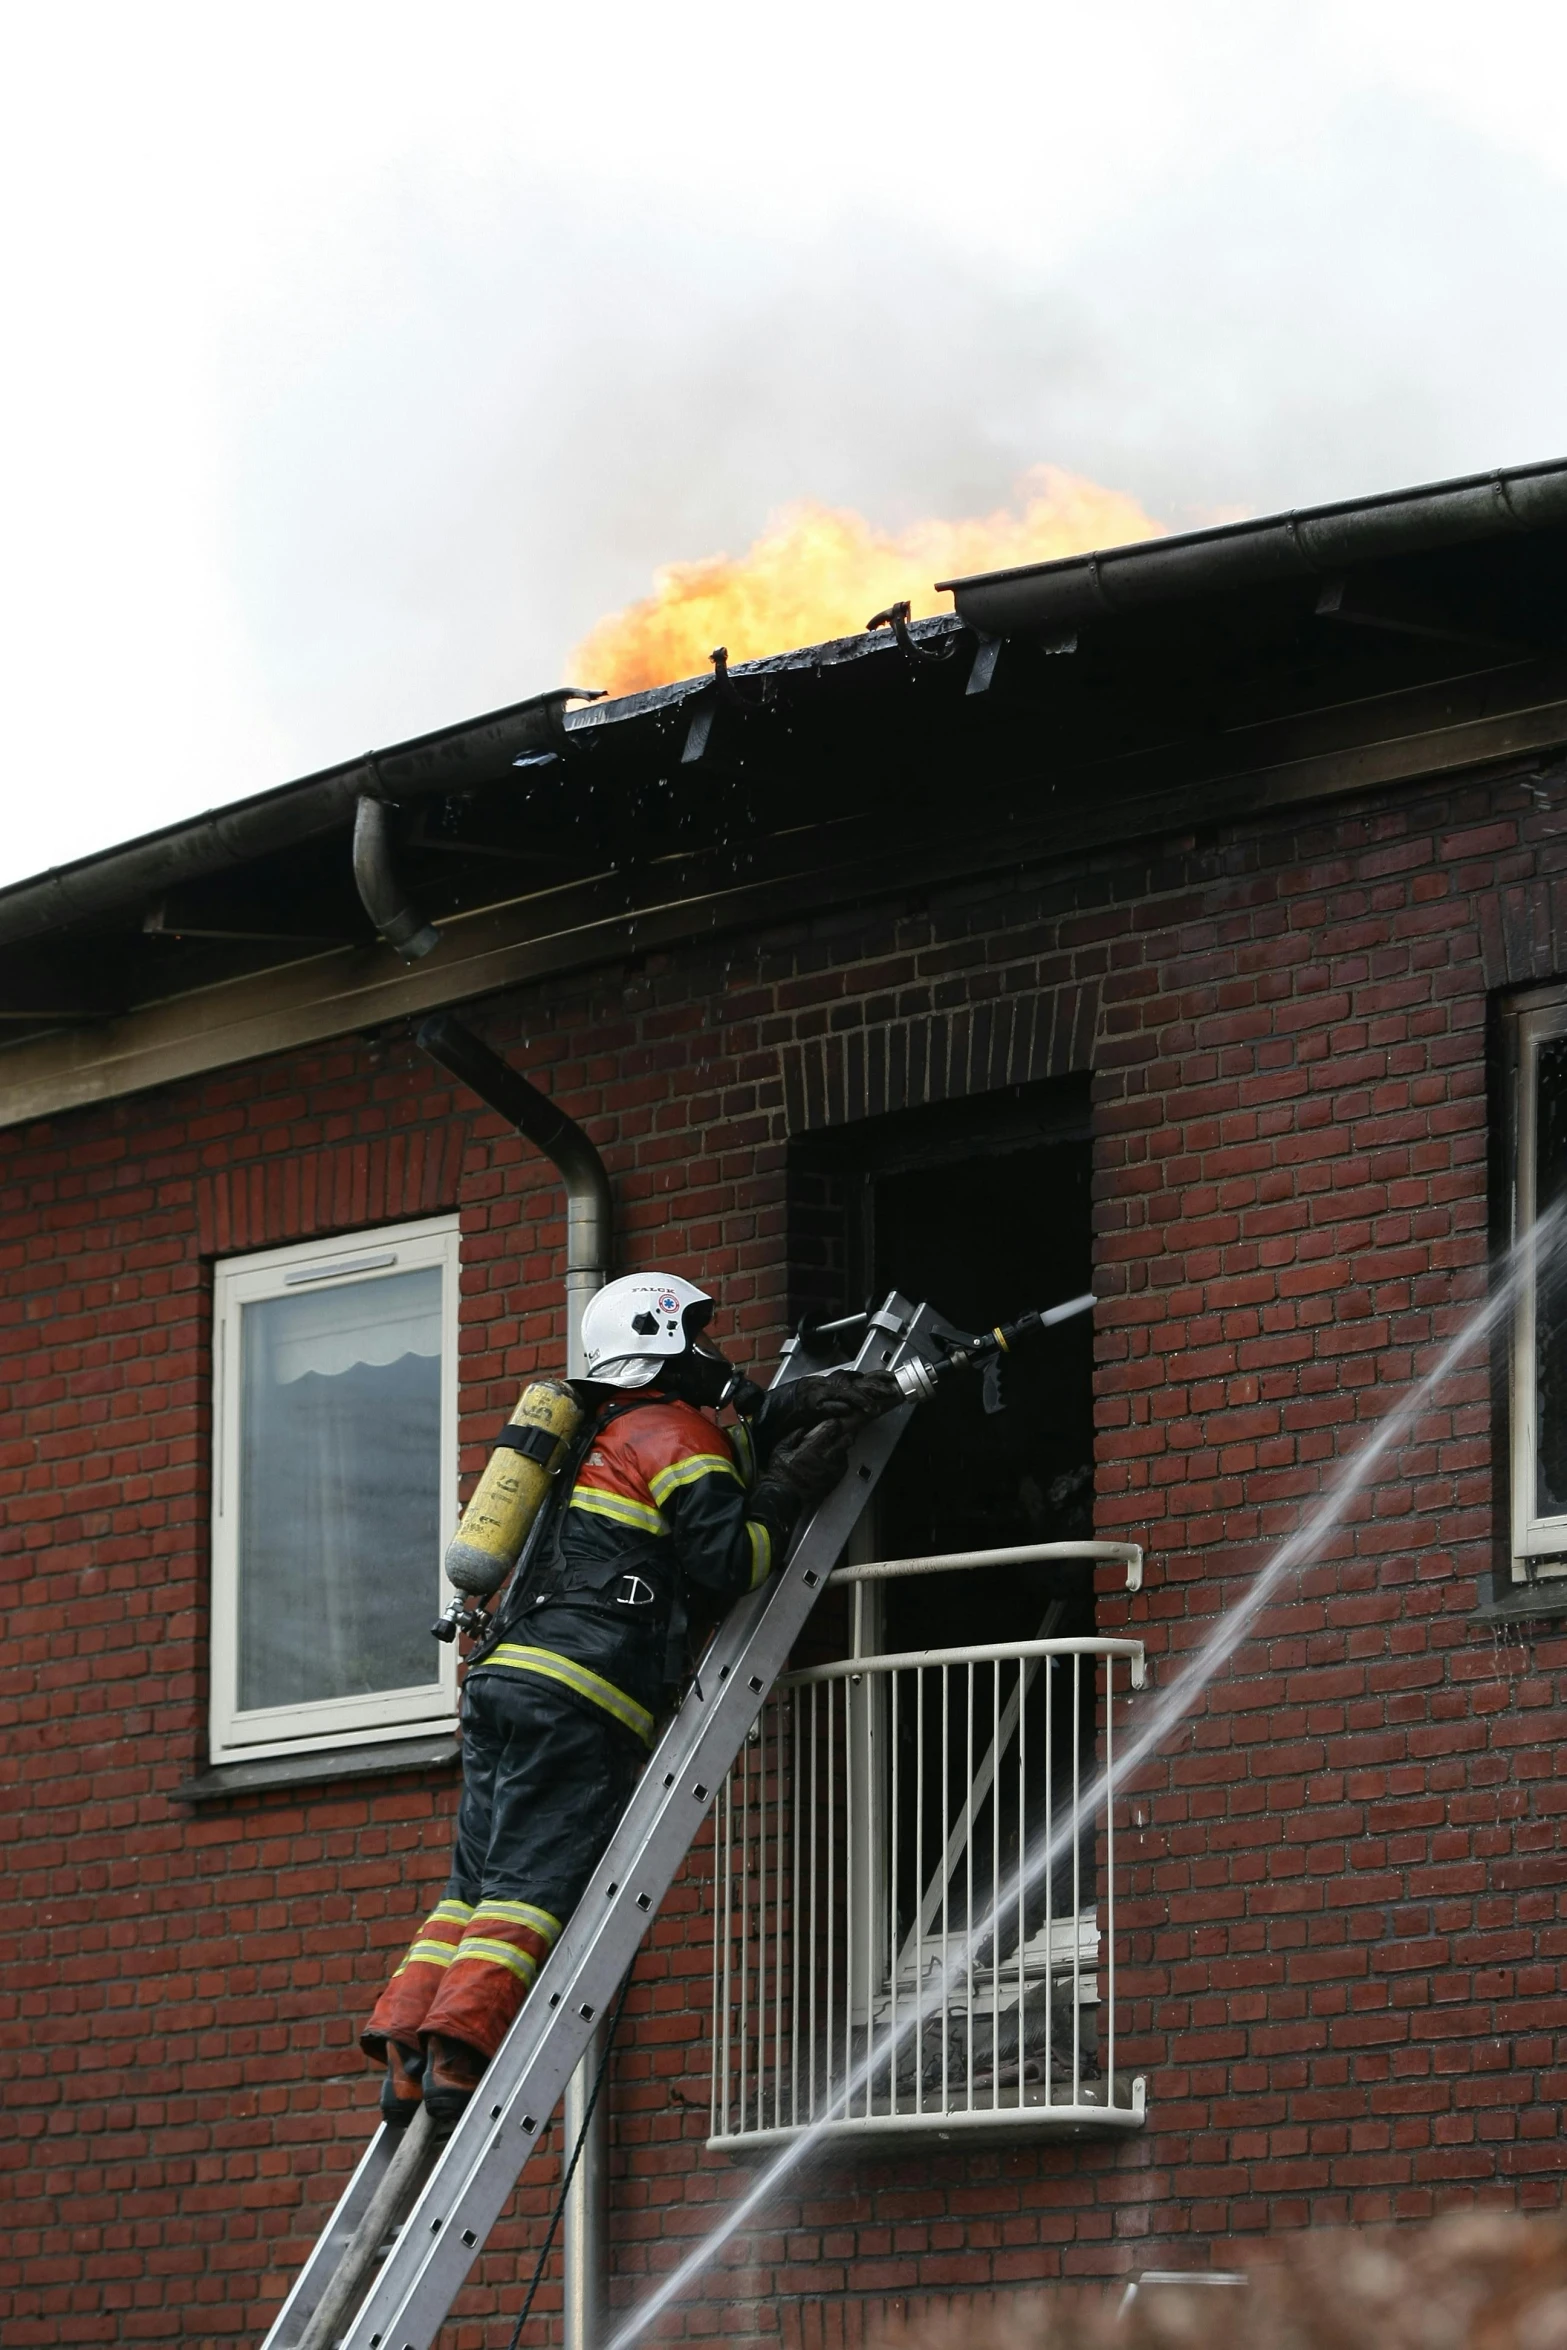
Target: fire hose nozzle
pixel 919 1381
pixel 1064 1313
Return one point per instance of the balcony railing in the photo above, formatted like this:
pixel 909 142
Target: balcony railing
pixel 882 1960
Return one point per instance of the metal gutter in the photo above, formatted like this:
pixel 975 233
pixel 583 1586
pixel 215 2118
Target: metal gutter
pixel 1307 543
pixel 476 751
pixel 1412 737
pixel 479 750
pixel 1304 544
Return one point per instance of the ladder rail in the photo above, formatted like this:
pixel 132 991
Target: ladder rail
pixel 477 2169
pixel 400 2182
pixel 309 2287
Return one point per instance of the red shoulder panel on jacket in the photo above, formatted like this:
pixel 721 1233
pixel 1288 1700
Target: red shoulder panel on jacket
pixel 638 1445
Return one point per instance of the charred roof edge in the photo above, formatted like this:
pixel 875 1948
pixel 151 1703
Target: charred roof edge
pixel 1304 543
pixel 476 750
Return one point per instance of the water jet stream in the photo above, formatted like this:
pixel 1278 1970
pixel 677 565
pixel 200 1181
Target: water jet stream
pixel 1176 1702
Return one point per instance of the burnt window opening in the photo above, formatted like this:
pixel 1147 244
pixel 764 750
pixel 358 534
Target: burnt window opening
pixel 984 1210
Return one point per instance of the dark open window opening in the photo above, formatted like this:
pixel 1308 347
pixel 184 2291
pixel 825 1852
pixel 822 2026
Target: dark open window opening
pixel 983 1208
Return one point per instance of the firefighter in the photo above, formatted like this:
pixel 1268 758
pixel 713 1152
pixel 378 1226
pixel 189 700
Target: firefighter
pixel 666 1513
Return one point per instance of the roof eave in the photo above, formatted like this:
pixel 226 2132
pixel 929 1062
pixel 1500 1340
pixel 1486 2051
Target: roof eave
pixel 104 884
pixel 1309 542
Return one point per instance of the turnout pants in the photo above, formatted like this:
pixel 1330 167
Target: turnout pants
pixel 545 1778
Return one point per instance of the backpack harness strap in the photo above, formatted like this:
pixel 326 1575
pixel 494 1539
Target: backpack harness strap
pixel 541 1568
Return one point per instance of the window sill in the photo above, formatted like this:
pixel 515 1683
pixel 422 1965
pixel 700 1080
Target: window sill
pixel 437 1751
pixel 1520 1603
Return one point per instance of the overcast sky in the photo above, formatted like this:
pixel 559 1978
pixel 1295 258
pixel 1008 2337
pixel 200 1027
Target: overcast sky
pixel 361 357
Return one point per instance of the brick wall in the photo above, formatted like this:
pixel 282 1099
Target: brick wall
pixel 1341 1960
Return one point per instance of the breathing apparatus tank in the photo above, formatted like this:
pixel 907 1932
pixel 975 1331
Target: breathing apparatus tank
pixel 506 1500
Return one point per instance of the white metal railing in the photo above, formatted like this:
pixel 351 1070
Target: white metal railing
pixel 881 1962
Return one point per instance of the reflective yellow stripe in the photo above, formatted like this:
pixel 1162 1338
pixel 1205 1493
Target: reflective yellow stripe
pixel 431 1954
pixel 688 1471
pixel 615 1505
pixel 761 1552
pixel 498 1954
pixel 745 1452
pixel 571 1675
pixel 521 1913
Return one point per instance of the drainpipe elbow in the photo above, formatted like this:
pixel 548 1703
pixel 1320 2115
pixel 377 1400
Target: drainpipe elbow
pixel 381 893
pixel 589 1215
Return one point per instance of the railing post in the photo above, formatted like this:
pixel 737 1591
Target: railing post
pixel 865 1773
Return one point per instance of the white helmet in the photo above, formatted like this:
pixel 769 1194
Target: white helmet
pixel 633 1326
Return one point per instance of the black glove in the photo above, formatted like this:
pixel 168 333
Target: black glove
pixel 843 1396
pixel 809 1464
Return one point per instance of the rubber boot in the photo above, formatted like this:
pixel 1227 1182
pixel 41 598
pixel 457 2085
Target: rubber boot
pixel 452 2072
pixel 401 2090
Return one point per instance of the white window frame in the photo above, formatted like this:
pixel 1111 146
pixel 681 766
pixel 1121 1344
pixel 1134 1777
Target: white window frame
pixel 1539 1545
pixel 239 1735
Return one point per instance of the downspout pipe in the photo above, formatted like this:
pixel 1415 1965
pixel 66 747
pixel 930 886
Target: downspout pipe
pixel 589 1215
pixel 585 2234
pixel 381 894
pixel 585 2250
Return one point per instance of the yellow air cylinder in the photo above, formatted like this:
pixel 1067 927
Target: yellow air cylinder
pixel 484 1549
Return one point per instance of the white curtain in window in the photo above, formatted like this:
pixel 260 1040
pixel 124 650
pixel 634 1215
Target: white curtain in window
pixel 340 1478
pixel 329 1330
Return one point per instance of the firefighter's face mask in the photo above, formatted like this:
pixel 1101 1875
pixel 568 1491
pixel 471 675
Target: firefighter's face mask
pixel 700 1376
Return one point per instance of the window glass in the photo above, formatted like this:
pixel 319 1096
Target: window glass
pixel 340 1490
pixel 1550 1304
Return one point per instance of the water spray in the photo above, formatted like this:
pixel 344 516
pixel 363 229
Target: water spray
pixel 1168 1710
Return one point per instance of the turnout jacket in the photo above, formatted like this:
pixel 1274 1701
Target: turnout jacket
pixel 662 1516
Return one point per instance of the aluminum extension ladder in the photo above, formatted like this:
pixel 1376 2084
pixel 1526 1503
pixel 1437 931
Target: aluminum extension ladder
pixel 438 2199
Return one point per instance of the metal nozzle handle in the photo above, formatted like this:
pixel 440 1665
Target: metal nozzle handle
pixel 920 1380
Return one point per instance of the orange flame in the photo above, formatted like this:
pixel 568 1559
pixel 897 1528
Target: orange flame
pixel 819 572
